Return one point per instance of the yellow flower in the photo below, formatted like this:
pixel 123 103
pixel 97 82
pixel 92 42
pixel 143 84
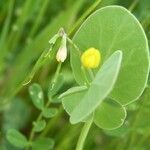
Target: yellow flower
pixel 91 58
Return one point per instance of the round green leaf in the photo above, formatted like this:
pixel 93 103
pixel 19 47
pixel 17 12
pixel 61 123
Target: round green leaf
pixel 49 112
pixel 109 115
pixel 108 29
pixel 99 89
pixel 39 126
pixel 43 144
pixel 16 138
pixel 36 94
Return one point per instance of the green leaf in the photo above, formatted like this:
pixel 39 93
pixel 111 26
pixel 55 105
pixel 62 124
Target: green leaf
pixel 119 132
pixel 73 90
pixel 28 55
pixel 49 112
pixel 54 88
pixel 108 29
pixel 72 100
pixel 43 144
pixel 101 86
pixel 16 138
pixel 109 115
pixel 39 126
pixel 36 94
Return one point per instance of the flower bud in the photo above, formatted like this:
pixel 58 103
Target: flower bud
pixel 62 52
pixel 91 58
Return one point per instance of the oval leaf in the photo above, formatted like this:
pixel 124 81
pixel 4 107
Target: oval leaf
pixel 108 29
pixel 49 112
pixel 43 144
pixel 39 126
pixel 109 115
pixel 99 89
pixel 16 138
pixel 36 94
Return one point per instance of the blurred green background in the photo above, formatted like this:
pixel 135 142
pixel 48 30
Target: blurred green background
pixel 25 29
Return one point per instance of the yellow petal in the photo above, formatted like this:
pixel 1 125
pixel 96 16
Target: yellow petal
pixel 91 58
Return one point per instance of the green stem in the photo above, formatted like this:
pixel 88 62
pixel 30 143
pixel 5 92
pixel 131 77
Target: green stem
pixel 57 73
pixel 91 74
pixel 32 133
pixel 84 134
pixel 74 45
pixel 39 18
pixel 42 59
pixel 52 123
pixel 133 5
pixel 88 124
pixel 37 120
pixel 80 20
pixel 6 27
pixel 72 133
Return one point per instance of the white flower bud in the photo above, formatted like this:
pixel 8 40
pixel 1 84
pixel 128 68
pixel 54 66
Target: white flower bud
pixel 62 52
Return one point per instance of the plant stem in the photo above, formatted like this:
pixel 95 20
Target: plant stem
pixel 91 74
pixel 133 5
pixel 32 133
pixel 84 134
pixel 57 73
pixel 72 133
pixel 80 20
pixel 52 123
pixel 74 45
pixel 39 18
pixel 37 120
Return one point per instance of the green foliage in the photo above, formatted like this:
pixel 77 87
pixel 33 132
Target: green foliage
pixel 141 123
pixel 73 90
pixel 16 138
pixel 54 88
pixel 36 94
pixel 83 102
pixel 71 101
pixel 39 125
pixel 29 40
pixel 99 89
pixel 19 111
pixel 110 33
pixel 43 144
pixel 109 115
pixel 23 62
pixel 119 132
pixel 49 112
